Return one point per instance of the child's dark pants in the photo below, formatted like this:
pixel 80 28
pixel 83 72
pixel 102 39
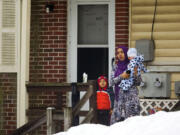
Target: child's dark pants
pixel 103 117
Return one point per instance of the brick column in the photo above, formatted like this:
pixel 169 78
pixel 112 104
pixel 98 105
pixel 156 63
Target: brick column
pixel 122 22
pixel 48 49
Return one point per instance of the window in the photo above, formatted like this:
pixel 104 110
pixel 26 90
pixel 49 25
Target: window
pixel 93 24
pixel 8 36
pixel 91 32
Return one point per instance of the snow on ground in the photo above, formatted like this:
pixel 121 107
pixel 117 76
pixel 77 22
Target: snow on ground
pixel 160 123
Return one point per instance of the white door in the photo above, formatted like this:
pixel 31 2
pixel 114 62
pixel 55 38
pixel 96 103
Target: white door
pixel 91 38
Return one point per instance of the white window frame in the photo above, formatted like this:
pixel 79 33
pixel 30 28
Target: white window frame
pixel 11 68
pixel 72 34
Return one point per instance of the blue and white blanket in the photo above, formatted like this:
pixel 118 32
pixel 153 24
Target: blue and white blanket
pixel 135 62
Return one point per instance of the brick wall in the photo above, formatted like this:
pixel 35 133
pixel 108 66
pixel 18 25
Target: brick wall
pixel 48 49
pixel 48 52
pixel 8 99
pixel 43 99
pixel 39 100
pixel 49 37
pixel 122 22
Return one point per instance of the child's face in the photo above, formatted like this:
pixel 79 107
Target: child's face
pixel 102 83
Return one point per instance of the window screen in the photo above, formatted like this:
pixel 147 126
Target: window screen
pixel 92 24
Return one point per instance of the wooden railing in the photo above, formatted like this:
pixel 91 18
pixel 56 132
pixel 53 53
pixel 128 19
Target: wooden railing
pixel 69 115
pixel 30 126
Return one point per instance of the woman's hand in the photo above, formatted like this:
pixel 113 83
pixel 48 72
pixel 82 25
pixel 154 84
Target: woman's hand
pixel 125 75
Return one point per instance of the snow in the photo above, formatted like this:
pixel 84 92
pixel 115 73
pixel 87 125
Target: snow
pixel 160 123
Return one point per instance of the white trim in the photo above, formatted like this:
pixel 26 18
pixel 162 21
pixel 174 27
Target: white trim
pixel 0 31
pixel 72 42
pixel 23 73
pixel 72 29
pixel 111 33
pixel 68 40
pixel 8 69
pixel 92 46
pixel 164 68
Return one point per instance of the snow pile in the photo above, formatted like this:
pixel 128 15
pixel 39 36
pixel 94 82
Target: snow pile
pixel 160 123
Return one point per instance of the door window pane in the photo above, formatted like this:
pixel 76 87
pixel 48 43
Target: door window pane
pixel 92 24
pixel 93 61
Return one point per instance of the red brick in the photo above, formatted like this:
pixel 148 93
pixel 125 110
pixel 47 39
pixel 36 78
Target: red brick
pixel 52 80
pixel 43 37
pixel 48 33
pixel 122 5
pixel 122 23
pixel 54 46
pixel 52 28
pixel 53 71
pixel 11 123
pixel 53 63
pixel 48 58
pixel 122 1
pixel 53 20
pixel 59 58
pixel 48 67
pixel 122 36
pixel 60 76
pixel 43 63
pixel 53 54
pixel 53 37
pixel 48 41
pixel 59 67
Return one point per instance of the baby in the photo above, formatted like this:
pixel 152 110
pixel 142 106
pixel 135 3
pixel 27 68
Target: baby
pixel 136 61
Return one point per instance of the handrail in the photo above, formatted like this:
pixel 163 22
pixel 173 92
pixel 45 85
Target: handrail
pixel 88 94
pixel 89 116
pixel 91 96
pixel 30 126
pixel 70 114
pixel 64 87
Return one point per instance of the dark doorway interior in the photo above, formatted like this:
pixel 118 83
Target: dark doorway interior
pixel 93 61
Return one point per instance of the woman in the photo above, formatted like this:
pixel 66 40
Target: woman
pixel 126 103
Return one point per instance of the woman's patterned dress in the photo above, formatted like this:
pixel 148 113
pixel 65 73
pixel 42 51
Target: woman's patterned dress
pixel 127 104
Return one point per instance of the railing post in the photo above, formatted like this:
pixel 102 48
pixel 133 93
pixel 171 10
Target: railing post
pixel 75 100
pixel 93 100
pixel 67 118
pixel 49 114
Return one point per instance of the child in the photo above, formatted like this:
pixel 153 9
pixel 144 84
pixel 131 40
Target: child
pixel 105 100
pixel 135 62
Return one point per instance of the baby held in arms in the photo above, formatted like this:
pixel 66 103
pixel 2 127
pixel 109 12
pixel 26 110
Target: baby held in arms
pixel 136 62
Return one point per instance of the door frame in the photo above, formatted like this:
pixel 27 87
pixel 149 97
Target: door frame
pixel 72 34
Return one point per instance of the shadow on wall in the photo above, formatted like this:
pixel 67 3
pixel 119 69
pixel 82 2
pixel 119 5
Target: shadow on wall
pixel 1 108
